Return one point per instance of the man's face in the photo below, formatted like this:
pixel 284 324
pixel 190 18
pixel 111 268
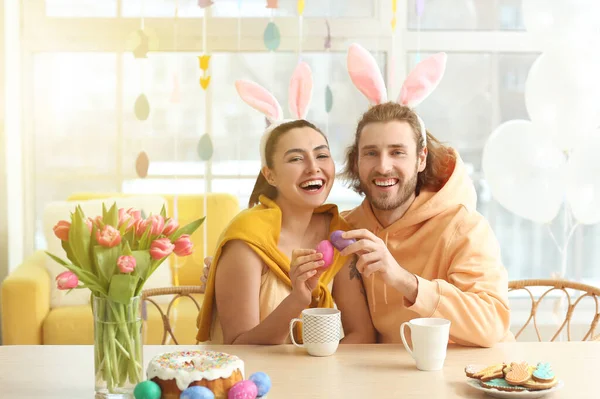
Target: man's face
pixel 388 164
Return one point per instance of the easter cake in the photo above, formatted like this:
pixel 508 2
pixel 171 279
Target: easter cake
pixel 174 372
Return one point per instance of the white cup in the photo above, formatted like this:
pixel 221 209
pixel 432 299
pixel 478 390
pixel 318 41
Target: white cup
pixel 321 331
pixel 430 341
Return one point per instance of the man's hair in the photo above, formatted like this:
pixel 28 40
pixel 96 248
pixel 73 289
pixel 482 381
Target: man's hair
pixel 439 157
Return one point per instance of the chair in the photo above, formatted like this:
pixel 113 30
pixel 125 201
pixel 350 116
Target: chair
pixel 179 293
pixel 560 285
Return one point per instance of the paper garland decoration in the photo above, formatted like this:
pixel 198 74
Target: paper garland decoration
pixel 272 3
pixel 205 3
pixel 394 8
pixel 272 37
pixel 203 63
pixel 328 99
pixel 141 50
pixel 141 108
pixel 205 148
pixel 142 163
pixel 300 7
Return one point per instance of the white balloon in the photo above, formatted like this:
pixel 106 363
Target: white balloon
pixel 562 93
pixel 524 170
pixel 583 182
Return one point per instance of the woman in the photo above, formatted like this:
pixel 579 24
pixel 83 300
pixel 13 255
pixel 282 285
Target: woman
pixel 261 279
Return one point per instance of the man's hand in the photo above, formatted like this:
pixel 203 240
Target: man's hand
pixel 374 256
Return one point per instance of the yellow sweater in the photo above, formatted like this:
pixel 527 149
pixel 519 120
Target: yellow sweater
pixel 260 227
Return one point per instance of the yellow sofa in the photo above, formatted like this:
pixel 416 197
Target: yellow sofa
pixel 27 318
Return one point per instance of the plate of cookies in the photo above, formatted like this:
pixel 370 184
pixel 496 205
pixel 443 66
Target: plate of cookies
pixel 514 380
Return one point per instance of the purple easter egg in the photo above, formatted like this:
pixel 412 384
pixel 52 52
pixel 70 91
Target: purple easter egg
pixel 338 242
pixel 326 249
pixel 243 390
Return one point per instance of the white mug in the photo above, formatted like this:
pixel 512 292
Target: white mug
pixel 321 330
pixel 430 341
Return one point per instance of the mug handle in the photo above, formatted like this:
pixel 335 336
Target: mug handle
pixel 294 321
pixel 404 338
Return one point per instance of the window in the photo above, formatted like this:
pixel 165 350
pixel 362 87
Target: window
pixel 84 135
pixel 466 15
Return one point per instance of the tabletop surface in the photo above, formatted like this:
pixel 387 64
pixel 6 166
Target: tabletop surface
pixel 354 371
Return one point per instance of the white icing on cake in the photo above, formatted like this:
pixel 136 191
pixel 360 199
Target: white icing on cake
pixel 186 367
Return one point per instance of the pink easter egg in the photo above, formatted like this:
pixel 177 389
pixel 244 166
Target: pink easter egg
pixel 243 390
pixel 326 248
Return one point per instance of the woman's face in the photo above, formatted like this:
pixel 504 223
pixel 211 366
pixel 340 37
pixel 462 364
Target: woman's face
pixel 303 170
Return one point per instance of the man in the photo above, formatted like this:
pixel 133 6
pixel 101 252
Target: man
pixel 422 248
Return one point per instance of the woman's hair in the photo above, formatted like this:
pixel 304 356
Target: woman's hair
pixel 439 158
pixel 262 186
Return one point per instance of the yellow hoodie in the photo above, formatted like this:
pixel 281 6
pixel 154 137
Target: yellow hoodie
pixel 452 250
pixel 260 227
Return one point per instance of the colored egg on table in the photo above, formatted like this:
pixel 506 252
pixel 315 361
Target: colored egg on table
pixel 338 242
pixel 243 390
pixel 326 249
pixel 147 390
pixel 262 382
pixel 197 392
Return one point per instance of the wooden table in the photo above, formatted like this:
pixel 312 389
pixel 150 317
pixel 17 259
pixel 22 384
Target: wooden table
pixel 355 371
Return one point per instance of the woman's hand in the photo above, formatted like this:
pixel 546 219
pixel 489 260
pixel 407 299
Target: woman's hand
pixel 304 274
pixel 205 271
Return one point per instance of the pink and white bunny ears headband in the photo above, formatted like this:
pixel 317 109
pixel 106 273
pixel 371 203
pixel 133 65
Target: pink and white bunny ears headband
pixel 419 84
pixel 259 98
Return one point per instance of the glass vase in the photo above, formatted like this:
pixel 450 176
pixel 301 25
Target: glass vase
pixel 118 363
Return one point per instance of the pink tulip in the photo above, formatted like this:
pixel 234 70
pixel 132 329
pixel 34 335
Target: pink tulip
pixel 161 248
pixel 89 223
pixel 156 221
pixel 129 216
pixel 98 222
pixel 67 280
pixel 108 237
pixel 170 227
pixel 61 230
pixel 183 245
pixel 126 263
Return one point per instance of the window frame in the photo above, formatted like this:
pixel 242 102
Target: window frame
pixel 51 34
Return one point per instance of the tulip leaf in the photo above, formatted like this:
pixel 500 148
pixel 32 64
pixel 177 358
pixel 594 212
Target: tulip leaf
pixel 122 288
pixel 79 240
pixel 126 250
pixel 145 240
pixel 142 263
pixel 106 260
pixel 188 228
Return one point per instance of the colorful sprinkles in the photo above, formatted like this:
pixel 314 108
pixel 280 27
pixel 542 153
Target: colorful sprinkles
pixel 195 360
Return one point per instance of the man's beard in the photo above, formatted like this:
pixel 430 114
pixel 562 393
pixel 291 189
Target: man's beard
pixel 390 201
